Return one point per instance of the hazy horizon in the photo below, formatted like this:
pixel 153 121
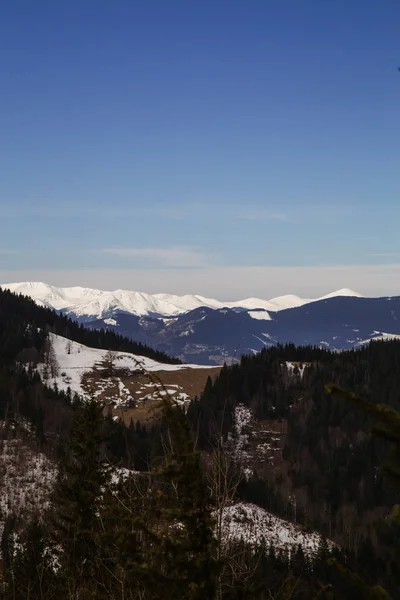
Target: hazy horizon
pixel 228 283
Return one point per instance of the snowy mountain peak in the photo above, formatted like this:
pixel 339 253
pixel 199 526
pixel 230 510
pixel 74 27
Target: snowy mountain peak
pixel 342 292
pixel 98 304
pixel 288 301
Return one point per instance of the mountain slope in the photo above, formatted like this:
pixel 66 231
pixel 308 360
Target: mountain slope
pixel 213 336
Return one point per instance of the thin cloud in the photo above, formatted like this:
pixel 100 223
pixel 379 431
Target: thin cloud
pixel 175 256
pixel 385 254
pixel 138 208
pixel 264 215
pixel 123 208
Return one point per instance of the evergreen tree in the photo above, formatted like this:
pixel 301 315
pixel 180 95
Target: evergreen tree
pixel 8 554
pixel 82 482
pixel 33 567
pixel 188 546
pixel 159 539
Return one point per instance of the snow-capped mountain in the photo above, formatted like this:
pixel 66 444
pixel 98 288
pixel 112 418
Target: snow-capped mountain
pixel 80 302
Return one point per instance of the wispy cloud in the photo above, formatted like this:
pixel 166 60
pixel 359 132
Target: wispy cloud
pixel 174 256
pixel 385 254
pixel 71 209
pixel 254 214
pixel 138 208
pixel 9 252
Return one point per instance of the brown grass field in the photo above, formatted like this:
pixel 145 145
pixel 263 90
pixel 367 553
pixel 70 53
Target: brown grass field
pixel 146 389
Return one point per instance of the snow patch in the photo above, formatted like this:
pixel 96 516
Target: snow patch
pixel 254 525
pixel 111 322
pixel 260 315
pixel 301 367
pixel 379 336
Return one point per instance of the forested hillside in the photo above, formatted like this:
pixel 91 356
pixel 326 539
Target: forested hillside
pixel 24 398
pixel 17 313
pixel 27 404
pixel 327 475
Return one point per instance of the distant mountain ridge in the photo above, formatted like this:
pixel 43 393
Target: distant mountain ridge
pixel 99 304
pixel 215 332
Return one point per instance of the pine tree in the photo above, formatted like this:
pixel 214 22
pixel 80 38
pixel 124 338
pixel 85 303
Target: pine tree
pixel 159 533
pixel 188 544
pixel 81 484
pixel 33 568
pixel 128 542
pixel 8 554
pixel 7 545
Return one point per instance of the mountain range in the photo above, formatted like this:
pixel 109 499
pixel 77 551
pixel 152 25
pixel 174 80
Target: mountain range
pixel 88 303
pixel 208 331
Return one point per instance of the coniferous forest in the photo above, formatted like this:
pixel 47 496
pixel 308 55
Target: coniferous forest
pixel 134 511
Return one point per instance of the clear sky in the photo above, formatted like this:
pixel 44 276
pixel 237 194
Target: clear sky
pixel 153 144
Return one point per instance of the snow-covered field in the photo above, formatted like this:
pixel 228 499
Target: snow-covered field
pixel 73 360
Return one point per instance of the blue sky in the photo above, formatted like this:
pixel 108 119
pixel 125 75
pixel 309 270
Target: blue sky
pixel 151 144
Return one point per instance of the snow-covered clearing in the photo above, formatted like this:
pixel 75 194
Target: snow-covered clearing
pixel 73 360
pixel 254 525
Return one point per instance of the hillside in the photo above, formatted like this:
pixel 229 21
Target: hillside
pixel 131 385
pixel 307 456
